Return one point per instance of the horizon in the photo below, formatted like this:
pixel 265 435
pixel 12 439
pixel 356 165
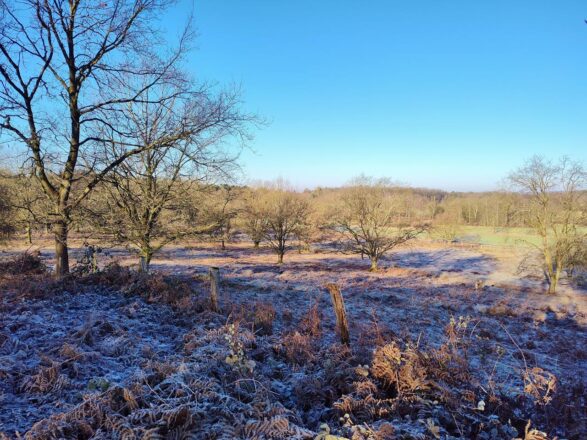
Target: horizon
pixel 449 97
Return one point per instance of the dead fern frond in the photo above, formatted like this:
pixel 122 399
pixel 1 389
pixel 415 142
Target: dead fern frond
pixel 47 380
pixel 276 427
pixel 539 384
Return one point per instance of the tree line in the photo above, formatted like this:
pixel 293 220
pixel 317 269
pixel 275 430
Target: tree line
pixel 154 200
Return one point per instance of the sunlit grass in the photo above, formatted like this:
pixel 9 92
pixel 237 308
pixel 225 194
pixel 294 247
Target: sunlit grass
pixel 488 235
pixel 494 236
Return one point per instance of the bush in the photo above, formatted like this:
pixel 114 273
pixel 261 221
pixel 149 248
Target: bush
pixel 263 317
pixel 28 263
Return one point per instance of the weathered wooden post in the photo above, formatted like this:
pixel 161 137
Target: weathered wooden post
pixel 339 310
pixel 214 288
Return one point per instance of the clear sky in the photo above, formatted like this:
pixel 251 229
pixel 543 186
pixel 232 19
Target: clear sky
pixel 446 94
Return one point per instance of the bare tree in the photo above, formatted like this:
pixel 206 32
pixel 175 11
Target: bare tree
pixel 147 204
pixel 61 66
pixel 6 211
pixel 252 217
pixel 285 214
pixel 577 266
pixel 29 204
pixel 369 220
pixel 222 212
pixel 555 210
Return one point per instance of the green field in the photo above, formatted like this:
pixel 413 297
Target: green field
pixel 487 235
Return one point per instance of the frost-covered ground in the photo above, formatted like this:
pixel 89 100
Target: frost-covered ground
pixel 96 337
pixel 126 362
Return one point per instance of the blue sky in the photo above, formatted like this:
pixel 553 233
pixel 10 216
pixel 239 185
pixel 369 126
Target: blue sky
pixel 449 94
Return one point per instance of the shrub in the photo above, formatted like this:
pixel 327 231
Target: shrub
pixel 297 348
pixel 311 323
pixel 263 317
pixel 26 263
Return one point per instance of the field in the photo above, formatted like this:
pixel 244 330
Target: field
pixel 491 236
pixel 447 341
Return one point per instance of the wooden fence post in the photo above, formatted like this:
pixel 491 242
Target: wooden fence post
pixel 339 310
pixel 214 288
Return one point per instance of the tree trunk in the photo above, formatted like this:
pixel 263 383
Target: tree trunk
pixel 145 261
pixel 549 270
pixel 339 310
pixel 279 257
pixel 94 262
pixel 29 234
pixel 61 249
pixel 374 266
pixel 214 288
pixel 553 281
pixel 143 265
pixel 256 244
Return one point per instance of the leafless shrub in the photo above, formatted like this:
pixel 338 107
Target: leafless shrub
pixel 311 323
pixel 263 317
pixel 113 275
pixel 252 218
pixel 371 335
pixel 447 232
pixel 29 263
pixel 167 289
pixel 297 348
